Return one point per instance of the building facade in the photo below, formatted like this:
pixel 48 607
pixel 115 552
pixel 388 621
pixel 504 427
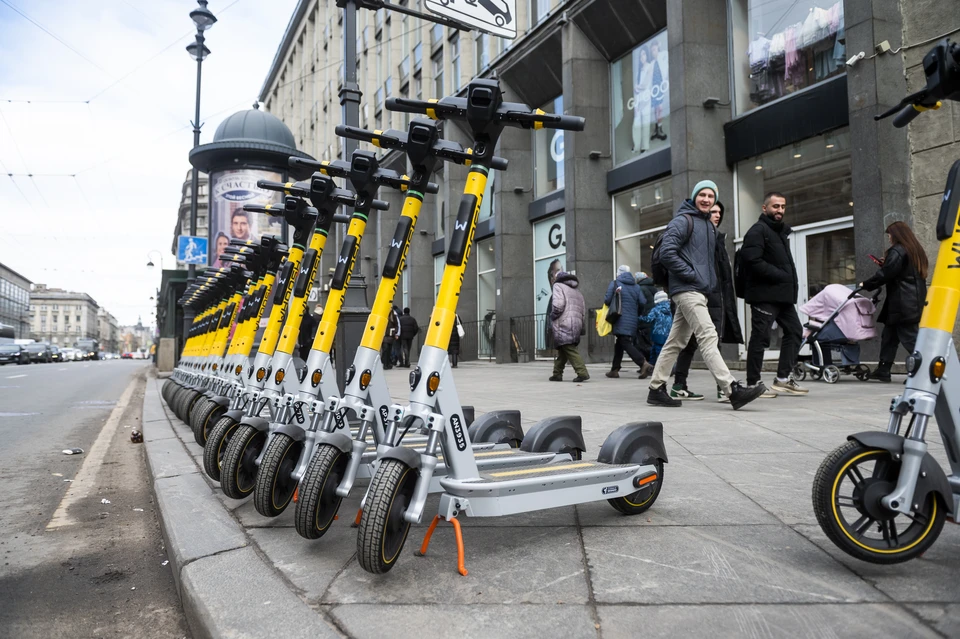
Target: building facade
pixel 183 212
pixel 109 331
pixel 62 317
pixel 755 95
pixel 15 302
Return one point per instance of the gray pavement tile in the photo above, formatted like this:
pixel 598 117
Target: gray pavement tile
pixel 476 622
pixel 945 618
pixel 779 483
pixel 310 565
pixel 235 595
pixel 152 406
pixel 168 459
pixel 506 566
pixel 777 621
pixel 248 516
pixel 931 578
pixel 161 429
pixel 716 564
pixel 194 523
pixel 740 438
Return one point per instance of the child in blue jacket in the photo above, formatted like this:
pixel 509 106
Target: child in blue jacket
pixel 661 319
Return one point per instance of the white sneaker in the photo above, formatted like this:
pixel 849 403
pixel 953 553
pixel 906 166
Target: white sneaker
pixel 790 387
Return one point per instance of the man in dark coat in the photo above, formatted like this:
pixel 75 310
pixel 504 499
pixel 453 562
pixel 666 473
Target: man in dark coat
pixel 625 328
pixel 393 332
pixel 771 290
pixel 408 330
pixel 722 306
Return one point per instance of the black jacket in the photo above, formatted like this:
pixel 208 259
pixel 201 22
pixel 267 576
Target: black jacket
pixel 649 290
pixel 408 327
pixel 906 290
pixel 722 303
pixel 771 275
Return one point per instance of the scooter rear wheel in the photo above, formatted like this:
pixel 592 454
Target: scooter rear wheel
pixel 205 418
pixel 238 473
pixel 318 502
pixel 216 446
pixel 846 500
pixel 275 485
pixel 643 499
pixel 383 531
pixel 198 407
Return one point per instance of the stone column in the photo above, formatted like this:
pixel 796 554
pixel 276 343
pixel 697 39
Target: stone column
pixel 589 217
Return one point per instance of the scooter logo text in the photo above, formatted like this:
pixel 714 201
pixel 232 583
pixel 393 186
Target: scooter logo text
pixel 457 426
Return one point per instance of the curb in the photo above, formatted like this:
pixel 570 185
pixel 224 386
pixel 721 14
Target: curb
pixel 225 586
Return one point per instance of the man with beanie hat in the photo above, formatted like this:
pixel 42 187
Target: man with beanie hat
pixel 688 251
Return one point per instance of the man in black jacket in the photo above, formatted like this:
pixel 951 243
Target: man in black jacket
pixel 771 290
pixel 408 330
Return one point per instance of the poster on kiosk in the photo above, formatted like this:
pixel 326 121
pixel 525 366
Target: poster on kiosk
pixel 229 191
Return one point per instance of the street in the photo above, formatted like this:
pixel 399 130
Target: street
pixel 71 565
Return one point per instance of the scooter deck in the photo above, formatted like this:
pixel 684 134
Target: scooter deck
pixel 541 479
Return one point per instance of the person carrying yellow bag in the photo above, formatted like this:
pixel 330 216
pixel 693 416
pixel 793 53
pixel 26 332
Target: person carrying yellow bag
pixel 603 326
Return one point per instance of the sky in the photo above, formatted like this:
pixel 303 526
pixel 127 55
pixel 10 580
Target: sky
pixel 96 99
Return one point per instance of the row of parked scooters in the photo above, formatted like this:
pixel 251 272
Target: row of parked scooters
pixel 287 435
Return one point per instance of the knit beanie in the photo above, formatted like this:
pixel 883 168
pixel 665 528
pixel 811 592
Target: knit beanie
pixel 660 296
pixel 705 184
pixel 623 268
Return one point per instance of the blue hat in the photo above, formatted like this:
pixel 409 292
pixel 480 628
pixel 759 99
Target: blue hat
pixel 705 184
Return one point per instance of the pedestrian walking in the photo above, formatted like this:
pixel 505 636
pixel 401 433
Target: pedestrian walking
pixel 392 334
pixel 625 327
pixel 567 316
pixel 722 306
pixel 660 319
pixel 903 273
pixel 771 288
pixel 453 348
pixel 408 330
pixel 688 253
pixel 643 339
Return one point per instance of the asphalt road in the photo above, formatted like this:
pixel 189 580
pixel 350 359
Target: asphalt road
pixel 71 565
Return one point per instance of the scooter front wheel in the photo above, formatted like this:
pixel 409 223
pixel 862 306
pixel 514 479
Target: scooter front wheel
pixel 216 446
pixel 238 473
pixel 643 499
pixel 275 484
pixel 383 530
pixel 205 419
pixel 846 500
pixel 318 501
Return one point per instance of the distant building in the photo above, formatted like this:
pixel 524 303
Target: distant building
pixel 109 331
pixel 135 338
pixel 15 302
pixel 62 317
pixel 183 217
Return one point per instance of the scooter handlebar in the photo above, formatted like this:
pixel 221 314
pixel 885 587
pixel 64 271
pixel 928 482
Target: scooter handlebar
pixel 509 113
pixel 379 139
pixel 288 188
pixel 905 116
pixel 268 209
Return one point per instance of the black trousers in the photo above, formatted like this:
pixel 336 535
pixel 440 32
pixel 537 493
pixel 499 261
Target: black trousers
pixel 892 336
pixel 386 354
pixel 405 345
pixel 625 343
pixel 764 315
pixel 681 370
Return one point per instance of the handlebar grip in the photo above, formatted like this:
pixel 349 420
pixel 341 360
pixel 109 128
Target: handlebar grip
pixel 406 105
pixel 340 218
pixel 377 138
pixel 379 205
pixel 567 123
pixel 269 209
pixel 498 163
pixel 906 116
pixel 304 163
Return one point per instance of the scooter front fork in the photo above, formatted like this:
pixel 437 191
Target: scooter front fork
pixel 914 449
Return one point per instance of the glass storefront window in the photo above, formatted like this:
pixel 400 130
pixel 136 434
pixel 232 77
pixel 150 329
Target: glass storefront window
pixel 639 218
pixel 486 204
pixel 438 263
pixel 783 46
pixel 548 153
pixel 814 175
pixel 549 244
pixel 640 82
pixel 486 296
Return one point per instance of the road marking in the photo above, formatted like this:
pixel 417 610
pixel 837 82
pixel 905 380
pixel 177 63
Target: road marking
pixel 17 414
pixel 61 369
pixel 16 376
pixel 86 479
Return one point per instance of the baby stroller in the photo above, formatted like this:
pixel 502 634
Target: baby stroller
pixel 838 320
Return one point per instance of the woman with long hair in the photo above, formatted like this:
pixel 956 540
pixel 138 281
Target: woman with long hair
pixel 904 274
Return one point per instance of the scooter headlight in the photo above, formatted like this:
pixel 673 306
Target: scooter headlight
pixel 914 362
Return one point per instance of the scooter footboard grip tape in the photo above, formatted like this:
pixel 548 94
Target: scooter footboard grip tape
pixel 304 279
pixel 398 245
pixel 462 229
pixel 344 262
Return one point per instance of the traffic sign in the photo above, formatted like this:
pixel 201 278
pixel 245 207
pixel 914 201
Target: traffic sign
pixel 497 17
pixel 192 250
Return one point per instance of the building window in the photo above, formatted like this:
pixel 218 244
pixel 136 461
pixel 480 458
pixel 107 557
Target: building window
pixel 483 52
pixel 486 296
pixel 549 244
pixel 438 263
pixel 436 35
pixel 538 10
pixel 417 57
pixel 783 46
pixel 640 82
pixel 455 62
pixel 486 204
pixel 438 75
pixel 639 219
pixel 548 153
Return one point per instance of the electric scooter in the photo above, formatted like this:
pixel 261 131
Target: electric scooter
pixel 242 454
pixel 629 470
pixel 881 497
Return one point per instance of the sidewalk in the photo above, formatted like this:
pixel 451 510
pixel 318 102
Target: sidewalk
pixel 731 545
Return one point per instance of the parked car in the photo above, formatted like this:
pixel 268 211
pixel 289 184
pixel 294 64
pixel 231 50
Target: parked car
pixel 14 354
pixel 40 352
pixel 56 354
pixel 127 356
pixel 70 354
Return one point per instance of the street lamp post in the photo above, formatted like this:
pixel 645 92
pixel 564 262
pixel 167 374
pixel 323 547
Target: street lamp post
pixel 204 19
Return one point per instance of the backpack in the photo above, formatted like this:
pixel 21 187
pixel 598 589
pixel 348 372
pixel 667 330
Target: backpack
pixel 659 272
pixel 739 275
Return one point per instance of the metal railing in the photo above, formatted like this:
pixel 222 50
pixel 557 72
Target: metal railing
pixel 477 342
pixel 528 336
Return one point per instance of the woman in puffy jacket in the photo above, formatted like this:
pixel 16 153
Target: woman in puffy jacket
pixel 626 326
pixel 904 274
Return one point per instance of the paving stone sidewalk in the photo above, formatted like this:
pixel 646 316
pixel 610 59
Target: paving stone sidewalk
pixel 731 548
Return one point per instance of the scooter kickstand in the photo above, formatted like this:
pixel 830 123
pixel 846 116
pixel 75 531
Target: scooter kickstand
pixel 356 522
pixel 461 568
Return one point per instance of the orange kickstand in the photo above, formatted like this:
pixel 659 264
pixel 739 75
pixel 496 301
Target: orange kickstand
pixel 461 568
pixel 356 522
pixel 296 493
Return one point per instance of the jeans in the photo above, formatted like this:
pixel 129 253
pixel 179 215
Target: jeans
pixel 569 353
pixel 625 343
pixel 892 336
pixel 692 318
pixel 405 345
pixel 764 315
